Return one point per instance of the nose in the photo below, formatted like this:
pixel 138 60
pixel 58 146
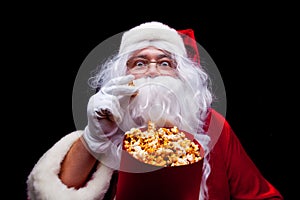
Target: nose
pixel 152 70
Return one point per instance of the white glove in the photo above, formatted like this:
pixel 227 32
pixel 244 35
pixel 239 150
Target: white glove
pixel 104 112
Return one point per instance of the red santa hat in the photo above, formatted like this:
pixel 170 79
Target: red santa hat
pixel 153 32
pixel 190 44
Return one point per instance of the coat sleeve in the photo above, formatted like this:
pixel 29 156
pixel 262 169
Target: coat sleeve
pixel 43 181
pixel 245 179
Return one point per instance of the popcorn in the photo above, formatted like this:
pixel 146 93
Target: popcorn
pixel 161 147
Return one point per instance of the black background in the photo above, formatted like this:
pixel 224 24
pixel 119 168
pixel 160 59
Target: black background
pixel 47 45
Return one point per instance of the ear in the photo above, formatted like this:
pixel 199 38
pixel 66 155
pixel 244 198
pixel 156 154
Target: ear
pixel 190 44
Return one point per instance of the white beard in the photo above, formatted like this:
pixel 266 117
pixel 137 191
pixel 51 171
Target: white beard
pixel 164 100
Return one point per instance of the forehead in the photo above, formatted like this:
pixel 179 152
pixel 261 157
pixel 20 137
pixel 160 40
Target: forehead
pixel 150 51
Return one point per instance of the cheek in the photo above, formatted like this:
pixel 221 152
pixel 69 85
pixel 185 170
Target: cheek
pixel 137 76
pixel 128 72
pixel 173 74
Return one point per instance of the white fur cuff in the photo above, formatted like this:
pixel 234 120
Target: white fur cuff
pixel 44 184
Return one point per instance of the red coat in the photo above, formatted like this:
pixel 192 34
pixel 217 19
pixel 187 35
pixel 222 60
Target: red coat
pixel 233 174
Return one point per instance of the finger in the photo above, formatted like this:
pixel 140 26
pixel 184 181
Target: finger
pixel 122 90
pixel 103 113
pixel 116 115
pixel 111 109
pixel 106 114
pixel 122 80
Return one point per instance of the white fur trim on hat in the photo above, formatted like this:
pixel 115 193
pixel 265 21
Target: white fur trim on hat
pixel 43 182
pixel 153 32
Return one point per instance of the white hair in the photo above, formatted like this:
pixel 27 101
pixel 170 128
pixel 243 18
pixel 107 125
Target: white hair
pixel 191 73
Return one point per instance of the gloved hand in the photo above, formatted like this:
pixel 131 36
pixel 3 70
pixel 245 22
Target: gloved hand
pixel 104 112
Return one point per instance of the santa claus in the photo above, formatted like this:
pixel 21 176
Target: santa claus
pixel 157 76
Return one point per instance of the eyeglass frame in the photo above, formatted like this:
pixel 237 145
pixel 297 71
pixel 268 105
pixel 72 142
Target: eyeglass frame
pixel 146 62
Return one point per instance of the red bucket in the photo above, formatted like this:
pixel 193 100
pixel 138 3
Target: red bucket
pixel 138 180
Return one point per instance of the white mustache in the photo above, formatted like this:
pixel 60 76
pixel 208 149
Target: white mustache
pixel 161 100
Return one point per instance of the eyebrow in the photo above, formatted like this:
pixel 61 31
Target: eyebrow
pixel 144 56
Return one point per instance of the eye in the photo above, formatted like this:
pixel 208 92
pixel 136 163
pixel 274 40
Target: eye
pixel 165 63
pixel 137 63
pixel 140 63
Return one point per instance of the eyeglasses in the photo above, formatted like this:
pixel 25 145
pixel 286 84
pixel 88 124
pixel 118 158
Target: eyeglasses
pixel 139 65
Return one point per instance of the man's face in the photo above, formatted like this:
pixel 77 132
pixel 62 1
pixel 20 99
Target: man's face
pixel 151 62
pixel 162 96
